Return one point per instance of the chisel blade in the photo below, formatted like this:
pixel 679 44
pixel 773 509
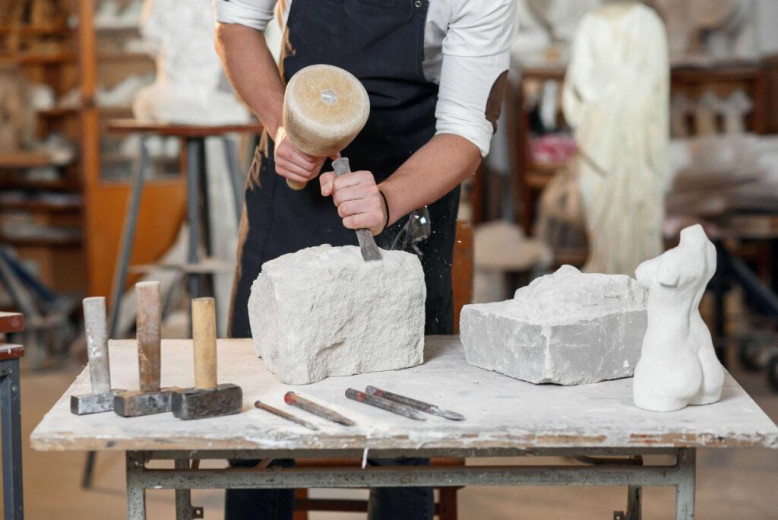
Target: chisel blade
pixel 414 403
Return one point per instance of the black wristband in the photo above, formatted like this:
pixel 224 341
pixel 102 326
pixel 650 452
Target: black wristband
pixel 386 208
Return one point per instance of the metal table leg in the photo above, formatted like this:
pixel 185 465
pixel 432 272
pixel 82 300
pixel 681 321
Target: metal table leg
pixel 136 492
pixel 184 508
pixel 685 491
pixel 10 410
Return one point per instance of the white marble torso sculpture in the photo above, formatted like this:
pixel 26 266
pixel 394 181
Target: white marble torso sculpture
pixel 678 366
pixel 616 99
pixel 190 86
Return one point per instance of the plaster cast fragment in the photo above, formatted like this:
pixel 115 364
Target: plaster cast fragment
pixel 323 311
pixel 566 328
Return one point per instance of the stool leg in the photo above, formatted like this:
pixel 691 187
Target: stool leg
pixel 10 410
pixel 193 167
pixel 231 153
pixel 128 236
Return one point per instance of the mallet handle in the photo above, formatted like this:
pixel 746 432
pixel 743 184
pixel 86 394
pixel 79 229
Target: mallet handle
pixel 204 339
pixel 149 325
pixel 97 344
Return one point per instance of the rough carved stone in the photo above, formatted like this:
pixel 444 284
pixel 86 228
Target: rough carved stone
pixel 323 311
pixel 567 328
pixel 678 366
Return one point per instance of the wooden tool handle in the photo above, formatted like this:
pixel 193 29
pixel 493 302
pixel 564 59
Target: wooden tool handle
pixel 97 344
pixel 297 186
pixel 149 325
pixel 204 339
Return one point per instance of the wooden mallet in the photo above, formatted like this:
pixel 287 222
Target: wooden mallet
pixel 208 398
pixel 325 108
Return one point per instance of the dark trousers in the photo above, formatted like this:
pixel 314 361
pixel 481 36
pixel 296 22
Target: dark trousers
pixel 278 504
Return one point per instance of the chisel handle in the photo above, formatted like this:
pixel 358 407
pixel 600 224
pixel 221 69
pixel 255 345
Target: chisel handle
pixel 204 339
pixel 149 326
pixel 97 344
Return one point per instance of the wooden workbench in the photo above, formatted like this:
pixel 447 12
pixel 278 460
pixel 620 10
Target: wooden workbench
pixel 504 417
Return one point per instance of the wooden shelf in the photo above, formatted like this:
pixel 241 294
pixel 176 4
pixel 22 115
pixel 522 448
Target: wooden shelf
pixel 22 184
pixel 33 30
pixel 20 160
pixel 42 240
pixel 58 112
pixel 40 206
pixel 119 56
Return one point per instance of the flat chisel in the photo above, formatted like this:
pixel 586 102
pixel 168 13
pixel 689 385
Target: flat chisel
pixel 367 245
pixel 384 404
pixel 418 405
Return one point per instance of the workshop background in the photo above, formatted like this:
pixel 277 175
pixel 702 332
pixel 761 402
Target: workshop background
pixel 72 72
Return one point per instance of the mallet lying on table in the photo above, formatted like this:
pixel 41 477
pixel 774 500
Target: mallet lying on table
pixel 208 399
pixel 151 398
pixel 101 398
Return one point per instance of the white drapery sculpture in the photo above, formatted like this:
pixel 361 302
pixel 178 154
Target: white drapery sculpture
pixel 190 87
pixel 678 366
pixel 616 98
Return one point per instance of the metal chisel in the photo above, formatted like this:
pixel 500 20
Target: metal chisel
pixel 284 415
pixel 418 405
pixel 367 243
pixel 384 404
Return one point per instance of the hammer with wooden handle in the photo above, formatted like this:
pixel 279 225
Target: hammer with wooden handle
pixel 150 399
pixel 208 398
pixel 325 107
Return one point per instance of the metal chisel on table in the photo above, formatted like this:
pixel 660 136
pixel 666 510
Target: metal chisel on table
pixel 414 403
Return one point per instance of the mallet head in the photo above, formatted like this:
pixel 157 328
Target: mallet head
pixel 196 403
pixel 138 403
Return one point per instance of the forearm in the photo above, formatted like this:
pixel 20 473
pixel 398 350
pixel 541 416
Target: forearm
pixel 252 72
pixel 434 170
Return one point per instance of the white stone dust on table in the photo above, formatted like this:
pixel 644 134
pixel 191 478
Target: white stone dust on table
pixel 501 411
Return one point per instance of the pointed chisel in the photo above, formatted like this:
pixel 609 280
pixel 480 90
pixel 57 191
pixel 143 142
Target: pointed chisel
pixel 284 415
pixel 418 405
pixel 302 403
pixel 384 404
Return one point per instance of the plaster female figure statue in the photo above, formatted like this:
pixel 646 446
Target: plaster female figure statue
pixel 190 87
pixel 678 366
pixel 616 98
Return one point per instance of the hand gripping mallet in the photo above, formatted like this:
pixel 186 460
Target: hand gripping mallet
pixel 101 398
pixel 325 107
pixel 150 399
pixel 207 399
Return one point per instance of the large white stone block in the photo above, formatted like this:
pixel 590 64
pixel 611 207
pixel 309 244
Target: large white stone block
pixel 566 328
pixel 323 311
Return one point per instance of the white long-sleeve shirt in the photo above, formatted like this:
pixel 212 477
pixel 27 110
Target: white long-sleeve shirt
pixel 466 50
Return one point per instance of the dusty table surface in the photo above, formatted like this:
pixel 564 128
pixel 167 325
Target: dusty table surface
pixel 501 412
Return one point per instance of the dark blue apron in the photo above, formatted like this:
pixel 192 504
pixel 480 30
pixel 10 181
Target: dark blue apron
pixel 381 42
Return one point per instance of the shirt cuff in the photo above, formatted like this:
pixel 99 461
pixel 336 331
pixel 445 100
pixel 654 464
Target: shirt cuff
pixel 235 11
